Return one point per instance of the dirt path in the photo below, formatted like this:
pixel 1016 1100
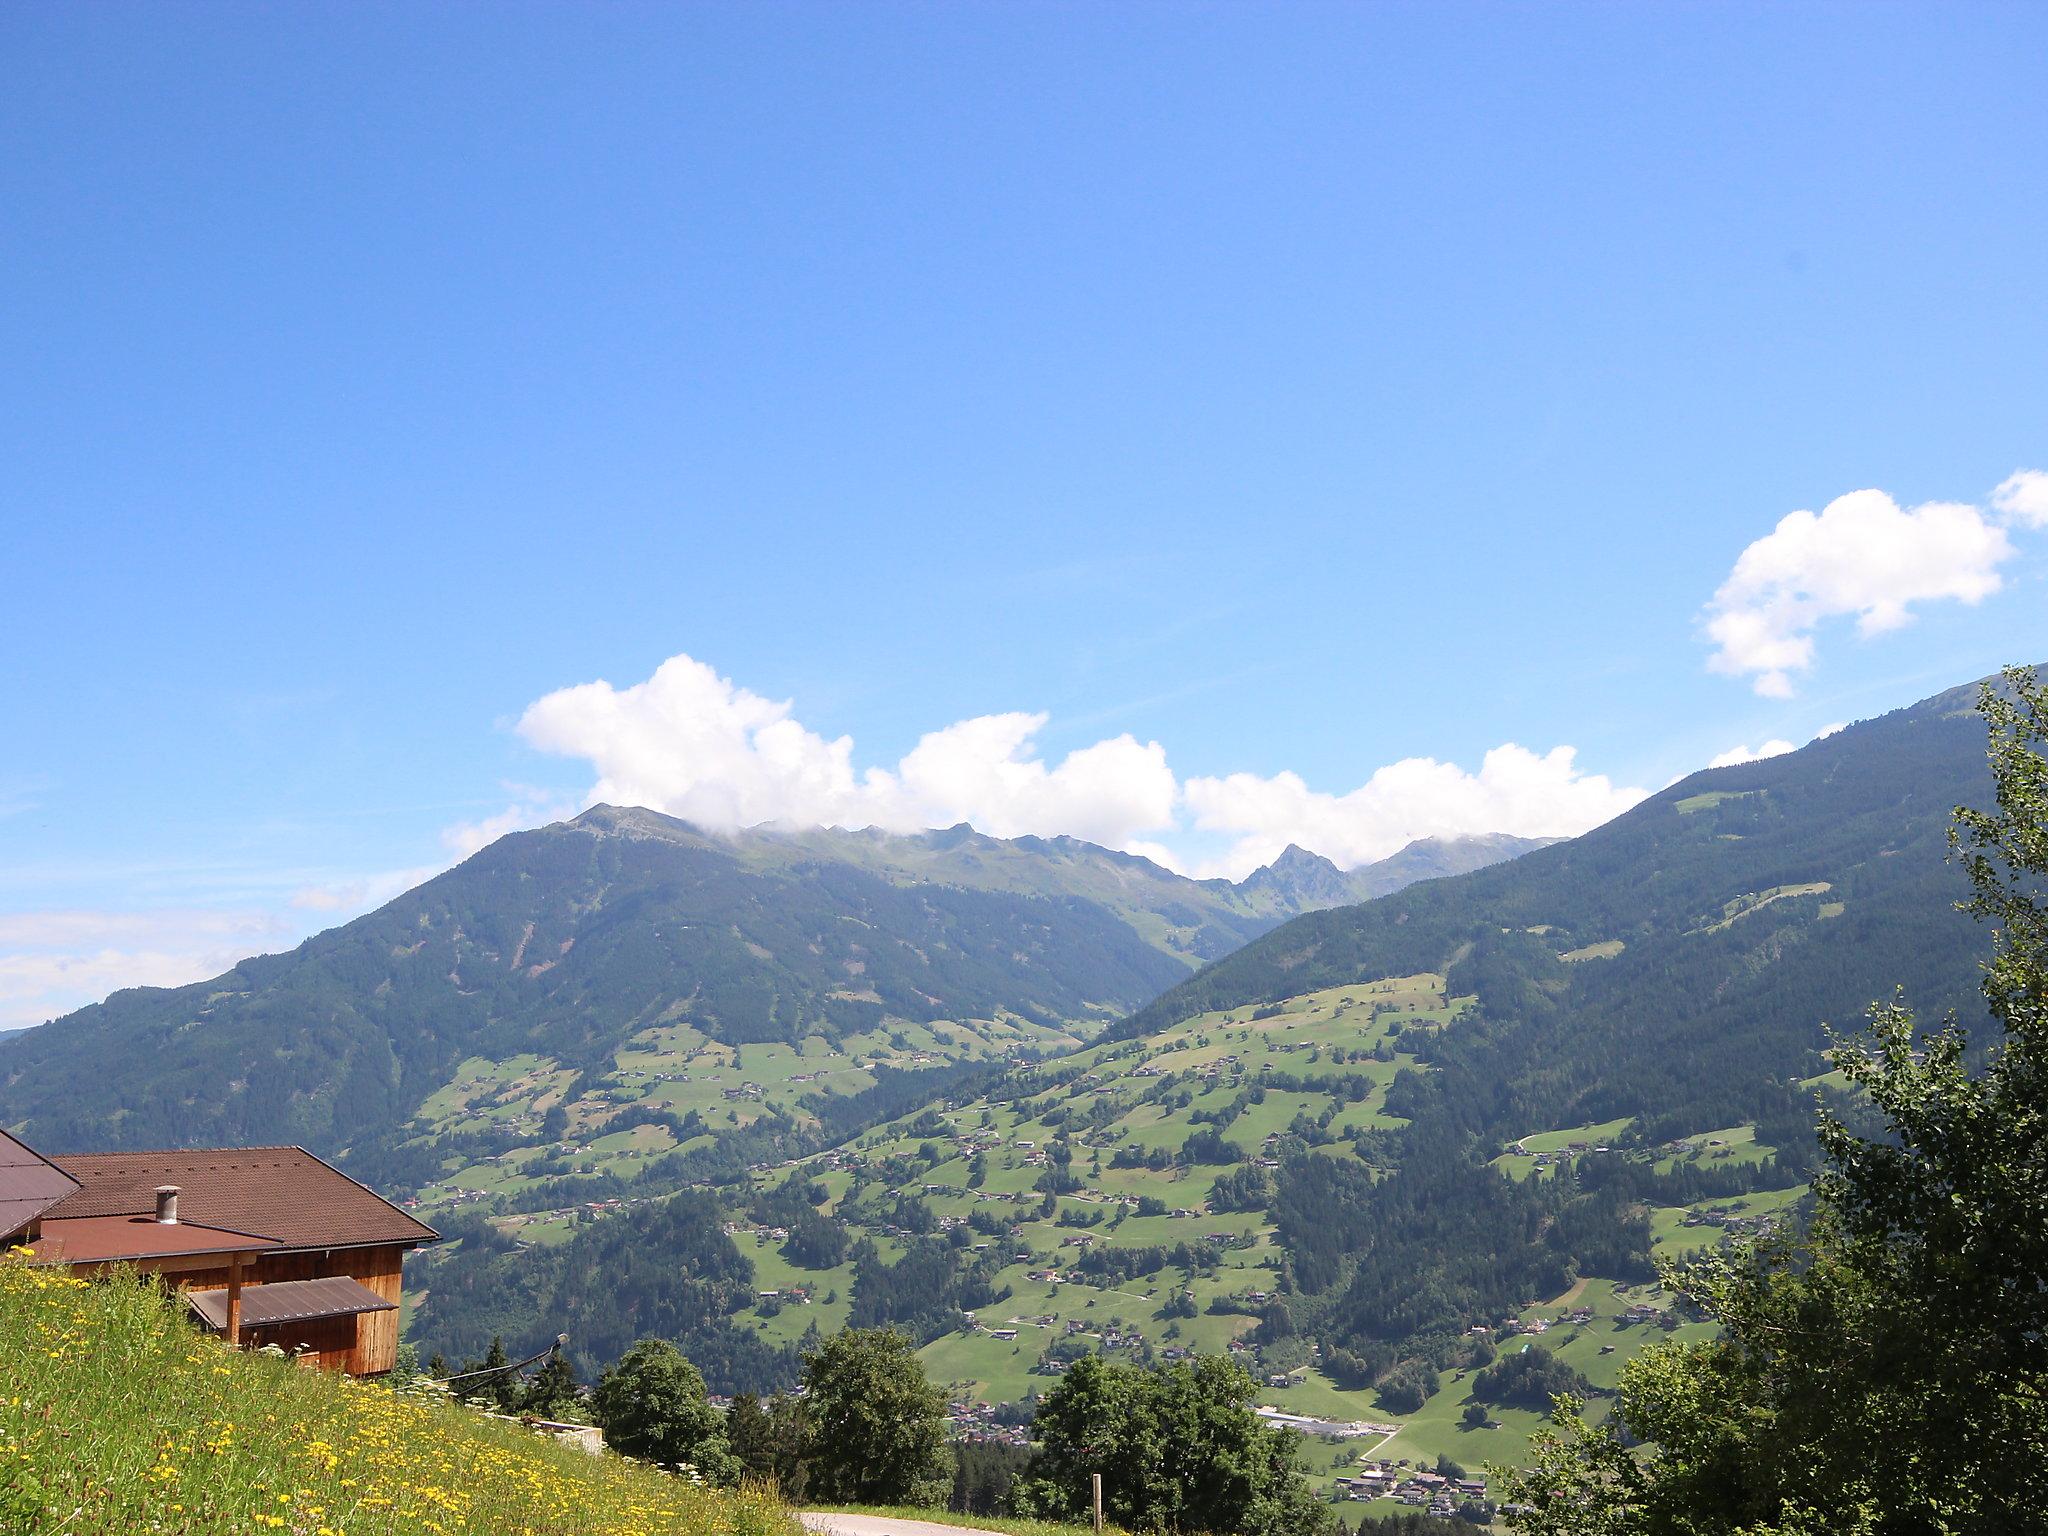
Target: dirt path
pixel 1578 1289
pixel 882 1525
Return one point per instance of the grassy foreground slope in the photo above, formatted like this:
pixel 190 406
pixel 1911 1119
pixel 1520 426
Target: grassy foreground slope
pixel 117 1417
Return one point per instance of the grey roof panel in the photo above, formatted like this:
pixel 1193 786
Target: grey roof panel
pixel 290 1301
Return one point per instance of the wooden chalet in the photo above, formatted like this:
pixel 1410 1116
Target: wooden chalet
pixel 270 1244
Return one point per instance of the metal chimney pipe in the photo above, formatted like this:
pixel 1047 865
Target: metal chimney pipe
pixel 167 1204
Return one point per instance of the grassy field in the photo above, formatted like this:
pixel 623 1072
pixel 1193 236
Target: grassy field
pixel 672 1067
pixel 1212 1058
pixel 1308 1074
pixel 117 1417
pixel 1674 1231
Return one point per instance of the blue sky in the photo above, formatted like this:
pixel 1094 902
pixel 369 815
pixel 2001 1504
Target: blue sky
pixel 1295 390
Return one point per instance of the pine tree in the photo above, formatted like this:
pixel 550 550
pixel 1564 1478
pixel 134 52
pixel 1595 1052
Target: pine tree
pixel 750 1434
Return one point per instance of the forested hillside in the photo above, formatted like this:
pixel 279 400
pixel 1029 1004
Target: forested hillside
pixel 1483 1103
pixel 565 984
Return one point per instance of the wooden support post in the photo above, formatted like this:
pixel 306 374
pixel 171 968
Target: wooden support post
pixel 1098 1501
pixel 234 1301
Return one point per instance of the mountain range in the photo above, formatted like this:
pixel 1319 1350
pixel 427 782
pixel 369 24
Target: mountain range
pixel 1026 1097
pixel 1355 1150
pixel 569 941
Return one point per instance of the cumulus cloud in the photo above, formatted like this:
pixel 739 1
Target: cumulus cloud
pixel 1515 790
pixel 1777 747
pixel 697 745
pixel 528 808
pixel 2023 497
pixel 359 893
pixel 52 962
pixel 1862 556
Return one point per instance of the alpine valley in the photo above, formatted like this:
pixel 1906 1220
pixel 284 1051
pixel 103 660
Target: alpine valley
pixel 1032 1099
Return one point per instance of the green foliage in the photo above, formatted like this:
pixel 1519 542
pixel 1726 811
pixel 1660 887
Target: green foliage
pixel 1529 1378
pixel 1178 1448
pixel 750 1436
pixel 652 1405
pixel 665 1270
pixel 118 1418
pixel 878 1432
pixel 1886 1374
pixel 1408 1386
pixel 552 1394
pixel 985 1477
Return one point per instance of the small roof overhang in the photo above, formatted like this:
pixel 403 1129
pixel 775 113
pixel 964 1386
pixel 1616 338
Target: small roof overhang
pixel 289 1301
pixel 136 1239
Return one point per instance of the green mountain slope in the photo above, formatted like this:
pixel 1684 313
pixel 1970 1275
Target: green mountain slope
pixel 1483 1102
pixel 579 975
pixel 1708 929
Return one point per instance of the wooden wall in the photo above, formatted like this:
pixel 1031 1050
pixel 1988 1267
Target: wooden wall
pixel 372 1345
pixel 376 1351
pixel 328 1343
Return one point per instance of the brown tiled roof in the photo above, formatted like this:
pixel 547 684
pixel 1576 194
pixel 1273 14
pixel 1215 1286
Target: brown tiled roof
pixel 290 1301
pixel 29 1185
pixel 284 1193
pixel 106 1239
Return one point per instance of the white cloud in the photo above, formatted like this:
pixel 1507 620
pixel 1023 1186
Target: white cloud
pixel 52 962
pixel 1828 730
pixel 1863 556
pixel 696 745
pixel 2023 497
pixel 355 894
pixel 1744 754
pixel 1515 790
pixel 528 808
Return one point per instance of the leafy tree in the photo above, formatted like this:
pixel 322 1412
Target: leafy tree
pixel 652 1405
pixel 1209 1145
pixel 1408 1386
pixel 1178 1449
pixel 878 1427
pixel 1885 1374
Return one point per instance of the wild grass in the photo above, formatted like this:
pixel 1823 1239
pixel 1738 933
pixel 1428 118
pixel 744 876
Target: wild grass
pixel 118 1417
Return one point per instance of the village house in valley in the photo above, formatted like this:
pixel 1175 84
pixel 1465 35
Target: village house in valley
pixel 270 1244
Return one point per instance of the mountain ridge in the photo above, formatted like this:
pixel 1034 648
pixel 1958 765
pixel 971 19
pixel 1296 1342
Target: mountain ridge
pixel 1361 1149
pixel 572 939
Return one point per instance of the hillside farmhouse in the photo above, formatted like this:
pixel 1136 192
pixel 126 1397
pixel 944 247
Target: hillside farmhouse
pixel 269 1244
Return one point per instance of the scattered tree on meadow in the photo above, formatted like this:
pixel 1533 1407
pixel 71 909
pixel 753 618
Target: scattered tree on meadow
pixel 1530 1377
pixel 1888 1373
pixel 877 1426
pixel 1178 1448
pixel 652 1405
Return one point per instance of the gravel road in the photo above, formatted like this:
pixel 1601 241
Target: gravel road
pixel 881 1525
